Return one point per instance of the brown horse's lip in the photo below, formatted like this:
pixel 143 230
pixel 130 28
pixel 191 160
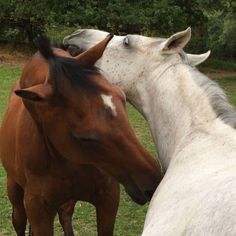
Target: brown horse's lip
pixel 139 199
pixel 134 191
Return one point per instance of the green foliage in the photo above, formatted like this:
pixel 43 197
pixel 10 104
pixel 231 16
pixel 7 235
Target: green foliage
pixel 213 22
pixel 221 26
pixel 22 20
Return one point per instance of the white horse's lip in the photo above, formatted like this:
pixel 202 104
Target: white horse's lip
pixel 74 50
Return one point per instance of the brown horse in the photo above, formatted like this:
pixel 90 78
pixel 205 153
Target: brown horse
pixel 66 128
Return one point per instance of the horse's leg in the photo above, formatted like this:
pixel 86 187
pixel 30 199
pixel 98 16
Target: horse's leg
pixel 40 214
pixel 16 196
pixel 65 213
pixel 106 204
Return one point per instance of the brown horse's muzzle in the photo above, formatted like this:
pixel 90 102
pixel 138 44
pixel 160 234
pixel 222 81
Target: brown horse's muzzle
pixel 140 186
pixel 140 196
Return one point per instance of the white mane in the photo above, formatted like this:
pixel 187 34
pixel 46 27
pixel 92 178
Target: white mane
pixel 218 99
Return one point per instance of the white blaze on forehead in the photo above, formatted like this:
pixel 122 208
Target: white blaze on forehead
pixel 107 99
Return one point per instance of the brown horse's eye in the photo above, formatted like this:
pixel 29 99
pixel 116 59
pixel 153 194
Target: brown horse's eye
pixel 86 137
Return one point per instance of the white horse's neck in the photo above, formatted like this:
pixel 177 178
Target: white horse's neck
pixel 175 107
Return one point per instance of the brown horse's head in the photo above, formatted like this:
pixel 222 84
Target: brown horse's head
pixel 83 119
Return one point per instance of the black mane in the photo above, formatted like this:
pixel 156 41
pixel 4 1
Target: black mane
pixel 64 69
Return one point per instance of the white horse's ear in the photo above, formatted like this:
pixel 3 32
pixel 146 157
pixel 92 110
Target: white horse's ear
pixel 176 42
pixel 196 59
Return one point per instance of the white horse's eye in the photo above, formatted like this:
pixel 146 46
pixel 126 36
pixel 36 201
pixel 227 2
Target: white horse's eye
pixel 126 41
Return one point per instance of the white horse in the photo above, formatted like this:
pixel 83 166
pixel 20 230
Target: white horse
pixel 191 122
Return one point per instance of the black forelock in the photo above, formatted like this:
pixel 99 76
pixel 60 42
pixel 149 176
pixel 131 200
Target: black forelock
pixel 44 47
pixel 78 74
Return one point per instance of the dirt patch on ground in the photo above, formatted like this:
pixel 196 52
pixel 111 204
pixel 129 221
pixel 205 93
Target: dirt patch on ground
pixel 12 60
pixel 14 57
pixel 218 73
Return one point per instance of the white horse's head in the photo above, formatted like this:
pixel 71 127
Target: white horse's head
pixel 129 59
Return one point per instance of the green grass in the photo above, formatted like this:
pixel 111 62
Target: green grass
pixel 131 216
pixel 7 77
pixel 229 85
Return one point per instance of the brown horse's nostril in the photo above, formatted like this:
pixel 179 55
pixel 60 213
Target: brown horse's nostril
pixel 148 194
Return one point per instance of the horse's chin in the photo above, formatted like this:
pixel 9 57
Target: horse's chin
pixel 137 198
pixel 135 193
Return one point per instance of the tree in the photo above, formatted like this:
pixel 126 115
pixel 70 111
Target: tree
pixel 213 22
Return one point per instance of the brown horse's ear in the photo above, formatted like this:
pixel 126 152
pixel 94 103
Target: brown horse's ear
pixel 36 93
pixel 94 53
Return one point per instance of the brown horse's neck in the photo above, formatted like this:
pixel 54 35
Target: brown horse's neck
pixel 52 151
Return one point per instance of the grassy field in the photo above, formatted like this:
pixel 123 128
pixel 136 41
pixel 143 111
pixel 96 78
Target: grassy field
pixel 130 216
